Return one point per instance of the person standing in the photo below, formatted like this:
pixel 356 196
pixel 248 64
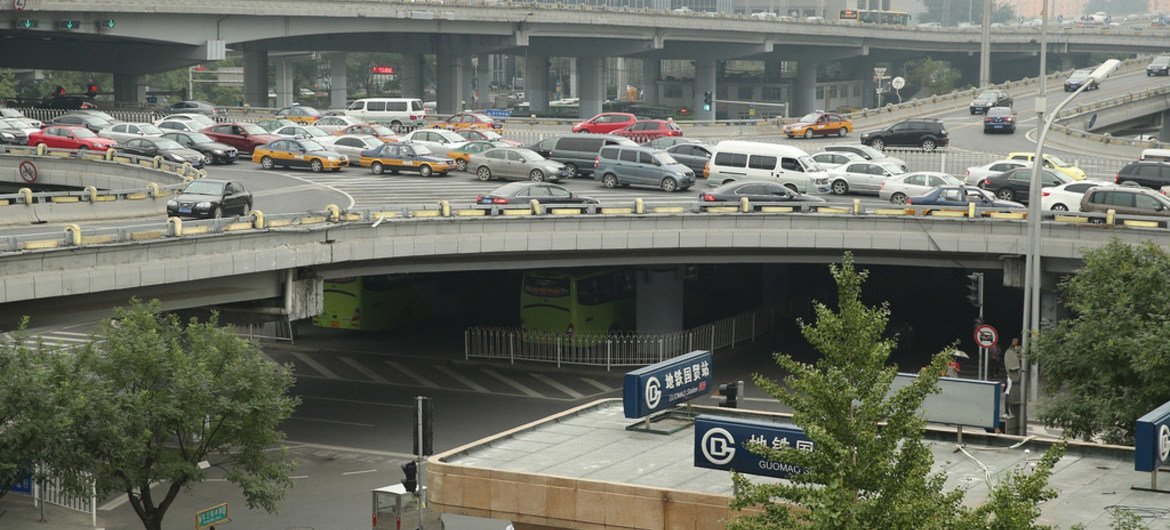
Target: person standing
pixel 1011 364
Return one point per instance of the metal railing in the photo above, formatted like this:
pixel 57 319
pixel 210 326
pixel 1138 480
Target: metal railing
pixel 49 490
pixel 610 350
pixel 956 161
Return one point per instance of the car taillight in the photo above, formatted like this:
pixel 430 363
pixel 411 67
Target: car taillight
pixel 1045 193
pixel 413 117
pixel 988 119
pixel 909 200
pixel 500 200
pixel 986 182
pixel 707 197
pixel 967 173
pixel 1117 179
pixel 883 186
pixel 479 198
pixel 596 161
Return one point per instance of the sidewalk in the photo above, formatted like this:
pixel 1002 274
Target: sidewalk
pixel 20 514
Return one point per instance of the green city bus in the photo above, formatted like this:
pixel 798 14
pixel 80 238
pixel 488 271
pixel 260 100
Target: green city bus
pixel 373 303
pixel 578 302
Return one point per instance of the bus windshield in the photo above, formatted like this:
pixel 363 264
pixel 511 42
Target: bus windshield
pixel 577 302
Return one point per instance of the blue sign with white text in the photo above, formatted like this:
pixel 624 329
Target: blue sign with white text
pixel 660 386
pixel 722 443
pixel 24 486
pixel 499 113
pixel 1152 439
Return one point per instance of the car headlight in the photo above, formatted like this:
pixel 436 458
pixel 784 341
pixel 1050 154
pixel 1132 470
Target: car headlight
pixel 172 203
pixel 219 152
pixel 7 136
pixel 333 159
pixel 203 205
pixel 177 158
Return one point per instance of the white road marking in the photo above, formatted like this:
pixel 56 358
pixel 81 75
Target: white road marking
pixel 411 374
pixel 355 424
pixel 299 476
pixel 321 369
pixel 348 473
pixel 557 385
pixel 365 371
pixel 512 383
pixel 123 499
pixel 357 401
pixel 597 384
pixel 459 377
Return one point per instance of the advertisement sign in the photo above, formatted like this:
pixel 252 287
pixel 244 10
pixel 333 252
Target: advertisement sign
pixel 1152 439
pixel 722 443
pixel 661 386
pixel 965 402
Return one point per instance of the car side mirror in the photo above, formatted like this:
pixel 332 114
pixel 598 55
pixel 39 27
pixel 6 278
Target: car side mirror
pixel 521 160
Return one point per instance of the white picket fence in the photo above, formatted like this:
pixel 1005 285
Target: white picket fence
pixel 50 491
pixel 513 344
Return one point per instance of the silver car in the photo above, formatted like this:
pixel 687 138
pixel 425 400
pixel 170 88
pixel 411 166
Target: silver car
pixel 897 189
pixel 120 132
pixel 515 163
pixel 352 145
pixel 830 160
pixel 865 176
pixel 332 124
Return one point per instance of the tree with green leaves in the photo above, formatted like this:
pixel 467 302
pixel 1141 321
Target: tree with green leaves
pixel 156 397
pixel 1105 366
pixel 935 77
pixel 870 467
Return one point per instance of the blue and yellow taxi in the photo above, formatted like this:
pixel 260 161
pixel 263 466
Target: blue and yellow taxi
pixel 406 156
pixel 294 152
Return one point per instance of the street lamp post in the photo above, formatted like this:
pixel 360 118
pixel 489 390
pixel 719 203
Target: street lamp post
pixel 1032 269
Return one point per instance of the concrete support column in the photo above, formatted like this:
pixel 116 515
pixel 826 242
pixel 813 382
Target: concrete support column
pixel 410 75
pixel 773 71
pixel 466 72
pixel 591 85
pixel 338 86
pixel 804 90
pixel 704 82
pixel 574 91
pixel 660 299
pixel 447 72
pixel 651 73
pixel 256 77
pixel 620 79
pixel 1164 131
pixel 536 82
pixel 284 84
pixel 483 82
pixel 130 88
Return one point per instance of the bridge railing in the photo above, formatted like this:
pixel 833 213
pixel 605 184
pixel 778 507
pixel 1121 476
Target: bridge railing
pixel 956 161
pixel 111 155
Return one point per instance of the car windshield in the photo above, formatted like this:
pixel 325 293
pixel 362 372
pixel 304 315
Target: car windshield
pixel 203 187
pixel 199 138
pixel 1056 161
pixel 870 152
pixel 1080 74
pixel 1161 61
pixel 665 158
pixel 529 155
pixel 83 133
pixel 810 164
pixel 166 143
pixel 150 130
pixel 252 128
pixel 315 132
pixel 490 135
pixel 311 145
pixel 894 169
pixel 308 111
pixel 382 130
pixel 810 117
pixel 986 95
pixel 27 122
pixel 100 123
pixel 422 150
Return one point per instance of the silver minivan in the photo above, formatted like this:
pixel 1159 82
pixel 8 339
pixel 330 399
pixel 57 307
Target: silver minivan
pixel 641 166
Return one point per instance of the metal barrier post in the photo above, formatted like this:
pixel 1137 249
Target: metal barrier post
pixel 466 344
pixel 511 348
pixel 733 332
pixel 608 354
pixel 753 327
pixel 558 352
pixel 660 358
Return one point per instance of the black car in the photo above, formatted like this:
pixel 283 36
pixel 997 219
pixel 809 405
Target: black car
pixel 213 152
pixel 999 119
pixel 168 149
pixel 12 135
pixel 523 192
pixel 195 107
pixel 1159 66
pixel 989 99
pixel 211 198
pixel 692 155
pixel 1079 78
pixel 666 142
pixel 757 192
pixel 93 123
pixel 1146 173
pixel 927 133
pixel 1013 185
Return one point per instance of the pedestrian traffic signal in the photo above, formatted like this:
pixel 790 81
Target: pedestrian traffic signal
pixel 707 101
pixel 68 24
pixel 729 393
pixel 26 23
pixel 409 473
pixel 975 288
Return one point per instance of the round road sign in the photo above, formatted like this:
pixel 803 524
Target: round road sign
pixel 28 171
pixel 986 336
pixel 897 83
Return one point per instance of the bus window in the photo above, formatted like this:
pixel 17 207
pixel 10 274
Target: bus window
pixel 577 302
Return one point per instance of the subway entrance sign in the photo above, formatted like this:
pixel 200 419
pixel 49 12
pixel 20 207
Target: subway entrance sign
pixel 214 515
pixel 722 443
pixel 1152 439
pixel 661 386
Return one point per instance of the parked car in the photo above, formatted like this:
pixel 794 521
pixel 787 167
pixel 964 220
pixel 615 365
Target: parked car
pixel 898 189
pixel 641 166
pixel 180 126
pixel 69 137
pixel 605 123
pixel 120 132
pixel 692 155
pixel 27 124
pixel 213 152
pixel 758 194
pixel 406 156
pixel 864 151
pixel 990 99
pixel 486 135
pixel 6 112
pixel 646 130
pixel 245 137
pixel 960 196
pixel 463 153
pixel 735 160
pixel 862 177
pixel 379 131
pixel 578 151
pixel 999 119
pixel 666 142
pixel 13 134
pixel 819 123
pixel 273 125
pixel 93 123
pixel 309 132
pixel 927 133
pixel 1146 173
pixel 211 198
pixel 541 192
pixel 197 107
pixel 1159 66
pixel 1051 162
pixel 515 163
pixel 438 140
pixel 332 124
pixel 974 175
pixel 1013 185
pixel 99 113
pixel 1067 197
pixel 1125 200
pixel 293 152
pixel 468 120
pixel 198 121
pixel 353 145
pixel 299 114
pixel 168 149
pixel 1079 78
pixel 830 160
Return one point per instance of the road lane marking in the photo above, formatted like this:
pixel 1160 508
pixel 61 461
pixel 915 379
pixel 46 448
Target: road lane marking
pixel 597 384
pixel 299 476
pixel 459 377
pixel 512 383
pixel 412 374
pixel 348 473
pixel 557 385
pixel 365 371
pixel 357 401
pixel 123 499
pixel 355 424
pixel 321 369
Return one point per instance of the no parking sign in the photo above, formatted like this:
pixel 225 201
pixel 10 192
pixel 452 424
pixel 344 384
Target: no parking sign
pixel 986 336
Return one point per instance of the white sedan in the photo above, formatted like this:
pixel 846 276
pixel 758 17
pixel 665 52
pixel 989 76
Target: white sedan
pixel 306 132
pixel 830 160
pixel 352 145
pixel 438 140
pixel 897 189
pixel 332 124
pixel 862 177
pixel 974 175
pixel 199 121
pixel 1067 197
pixel 120 132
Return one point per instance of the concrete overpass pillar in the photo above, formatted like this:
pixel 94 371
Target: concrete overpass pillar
pixel 651 73
pixel 704 82
pixel 284 84
pixel 660 299
pixel 338 85
pixel 574 90
pixel 620 79
pixel 804 90
pixel 483 82
pixel 591 85
pixel 256 77
pixel 466 81
pixel 536 82
pixel 1164 131
pixel 130 88
pixel 411 75
pixel 772 71
pixel 447 70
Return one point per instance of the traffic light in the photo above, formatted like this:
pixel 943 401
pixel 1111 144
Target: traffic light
pixel 730 394
pixel 409 473
pixel 707 100
pixel 975 288
pixel 26 23
pixel 424 414
pixel 68 24
pixel 91 89
pixel 106 23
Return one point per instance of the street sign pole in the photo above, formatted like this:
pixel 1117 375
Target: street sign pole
pixel 422 481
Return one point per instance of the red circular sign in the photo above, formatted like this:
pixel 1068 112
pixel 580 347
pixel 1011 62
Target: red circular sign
pixel 18 4
pixel 986 336
pixel 28 171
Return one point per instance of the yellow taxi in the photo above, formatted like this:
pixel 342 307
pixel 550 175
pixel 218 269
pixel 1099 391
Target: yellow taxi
pixel 293 152
pixel 469 120
pixel 1051 162
pixel 819 124
pixel 406 156
pixel 299 114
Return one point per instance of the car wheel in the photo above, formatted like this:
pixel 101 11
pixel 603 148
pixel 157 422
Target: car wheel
pixel 208 158
pixel 1059 208
pixel 669 185
pixel 840 187
pixel 609 180
pixel 1006 194
pixel 536 175
pixel 377 168
pixel 396 126
pixel 81 150
pixel 898 198
pixel 878 143
pixel 267 163
pixel 461 164
pixel 792 188
pixel 217 213
pixel 425 170
pixel 808 133
pixel 571 169
pixel 842 131
pixel 928 145
pixel 316 165
pixel 483 173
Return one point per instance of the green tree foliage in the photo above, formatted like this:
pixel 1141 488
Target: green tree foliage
pixel 1105 367
pixel 8 86
pixel 952 12
pixel 936 77
pixel 158 396
pixel 870 467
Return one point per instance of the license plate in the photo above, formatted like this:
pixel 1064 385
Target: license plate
pixel 184 210
pixel 997 126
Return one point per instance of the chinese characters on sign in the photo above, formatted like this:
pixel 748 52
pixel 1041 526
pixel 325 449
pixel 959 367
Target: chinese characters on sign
pixel 660 386
pixel 723 443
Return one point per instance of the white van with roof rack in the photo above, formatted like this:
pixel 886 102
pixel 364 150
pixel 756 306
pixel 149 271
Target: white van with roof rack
pixel 735 160
pixel 396 113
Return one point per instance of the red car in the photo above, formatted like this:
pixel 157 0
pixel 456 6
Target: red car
pixel 605 122
pixel 69 137
pixel 243 136
pixel 646 130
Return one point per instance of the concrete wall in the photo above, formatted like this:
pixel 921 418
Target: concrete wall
pixel 79 173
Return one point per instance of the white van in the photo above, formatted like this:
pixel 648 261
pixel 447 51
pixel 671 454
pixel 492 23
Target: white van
pixel 738 160
pixel 397 113
pixel 1156 155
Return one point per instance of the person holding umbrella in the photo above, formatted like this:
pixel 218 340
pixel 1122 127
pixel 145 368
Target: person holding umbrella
pixel 952 369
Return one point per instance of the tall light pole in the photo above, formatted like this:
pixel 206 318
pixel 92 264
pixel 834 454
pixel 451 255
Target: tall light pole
pixel 985 46
pixel 1032 274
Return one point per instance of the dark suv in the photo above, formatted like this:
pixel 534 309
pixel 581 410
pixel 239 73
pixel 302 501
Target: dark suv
pixel 1145 173
pixel 1159 66
pixel 926 133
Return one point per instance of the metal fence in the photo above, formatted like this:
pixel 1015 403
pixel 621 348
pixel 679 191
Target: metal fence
pixel 50 490
pixel 956 161
pixel 512 344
